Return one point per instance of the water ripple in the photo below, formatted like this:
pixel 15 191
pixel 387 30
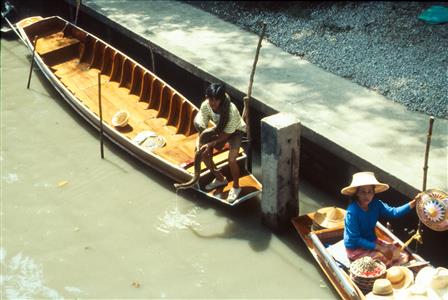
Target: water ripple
pixel 174 219
pixel 22 278
pixel 10 178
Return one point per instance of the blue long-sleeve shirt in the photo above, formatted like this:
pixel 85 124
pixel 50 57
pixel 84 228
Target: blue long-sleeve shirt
pixel 359 229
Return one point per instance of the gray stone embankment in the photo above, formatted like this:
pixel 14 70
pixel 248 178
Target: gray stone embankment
pixel 380 45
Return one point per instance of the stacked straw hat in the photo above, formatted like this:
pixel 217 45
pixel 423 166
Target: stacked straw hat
pixel 382 289
pixel 361 179
pixel 328 217
pixel 430 283
pixel 432 209
pixel 400 277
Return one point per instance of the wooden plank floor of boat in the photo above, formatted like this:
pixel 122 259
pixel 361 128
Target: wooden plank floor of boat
pixel 82 82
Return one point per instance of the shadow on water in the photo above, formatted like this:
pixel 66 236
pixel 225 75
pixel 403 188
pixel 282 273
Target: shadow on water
pixel 240 225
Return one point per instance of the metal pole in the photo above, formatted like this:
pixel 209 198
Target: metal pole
pixel 425 168
pixel 101 115
pixel 246 114
pixel 32 61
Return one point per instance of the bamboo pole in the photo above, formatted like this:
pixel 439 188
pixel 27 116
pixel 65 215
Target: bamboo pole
pixel 425 168
pixel 101 115
pixel 78 4
pixel 32 60
pixel 246 111
pixel 428 143
pixel 153 65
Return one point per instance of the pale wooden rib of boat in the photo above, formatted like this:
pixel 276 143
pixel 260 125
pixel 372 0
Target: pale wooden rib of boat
pixel 71 59
pixel 339 278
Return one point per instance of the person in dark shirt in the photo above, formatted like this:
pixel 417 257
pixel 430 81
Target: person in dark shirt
pixel 362 215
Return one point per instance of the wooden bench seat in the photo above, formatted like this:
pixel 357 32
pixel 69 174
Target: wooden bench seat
pixel 54 42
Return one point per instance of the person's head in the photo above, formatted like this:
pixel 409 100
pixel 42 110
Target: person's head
pixel 364 186
pixel 215 94
pixel 364 194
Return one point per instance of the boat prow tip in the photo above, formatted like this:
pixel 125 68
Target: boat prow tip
pixel 28 21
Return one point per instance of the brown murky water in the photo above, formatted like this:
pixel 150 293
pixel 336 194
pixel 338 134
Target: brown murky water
pixel 76 226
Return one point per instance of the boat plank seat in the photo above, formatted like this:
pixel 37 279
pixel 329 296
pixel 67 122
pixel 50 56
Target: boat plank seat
pixel 54 42
pixel 141 118
pixel 179 151
pixel 114 99
pixel 79 79
pixel 45 27
pixel 111 92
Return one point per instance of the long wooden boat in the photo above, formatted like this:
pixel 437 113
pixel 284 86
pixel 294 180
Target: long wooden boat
pixel 337 272
pixel 160 130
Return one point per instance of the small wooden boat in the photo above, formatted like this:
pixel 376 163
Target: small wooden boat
pixel 158 127
pixel 331 261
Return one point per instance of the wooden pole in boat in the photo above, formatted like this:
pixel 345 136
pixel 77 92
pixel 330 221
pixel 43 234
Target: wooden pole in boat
pixel 78 4
pixel 101 115
pixel 428 143
pixel 32 61
pixel 425 167
pixel 153 65
pixel 246 114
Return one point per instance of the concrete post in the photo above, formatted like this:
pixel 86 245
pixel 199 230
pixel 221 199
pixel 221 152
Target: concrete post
pixel 280 152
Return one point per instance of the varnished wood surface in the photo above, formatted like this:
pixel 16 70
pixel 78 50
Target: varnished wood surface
pixel 76 58
pixel 303 225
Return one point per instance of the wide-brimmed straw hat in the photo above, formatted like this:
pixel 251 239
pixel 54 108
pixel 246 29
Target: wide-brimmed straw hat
pixel 361 179
pixel 400 277
pixel 382 289
pixel 416 292
pixel 435 280
pixel 329 217
pixel 432 209
pixel 120 119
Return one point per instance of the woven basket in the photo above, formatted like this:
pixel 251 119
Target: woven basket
pixel 365 283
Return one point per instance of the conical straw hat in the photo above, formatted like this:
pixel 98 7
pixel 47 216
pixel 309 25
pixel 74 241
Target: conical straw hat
pixel 361 179
pixel 432 209
pixel 329 217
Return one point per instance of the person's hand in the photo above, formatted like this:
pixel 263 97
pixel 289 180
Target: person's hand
pixel 413 202
pixel 387 250
pixel 208 146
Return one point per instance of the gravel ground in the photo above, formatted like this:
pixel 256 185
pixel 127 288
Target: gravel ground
pixel 379 45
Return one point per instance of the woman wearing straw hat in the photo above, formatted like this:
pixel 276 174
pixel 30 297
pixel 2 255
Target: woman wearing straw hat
pixel 360 220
